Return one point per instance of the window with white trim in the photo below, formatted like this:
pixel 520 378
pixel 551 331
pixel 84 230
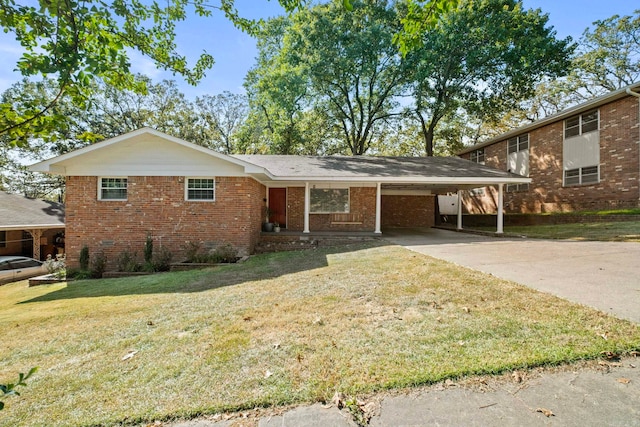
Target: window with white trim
pixel 329 200
pixel 518 143
pixel 512 188
pixel 581 176
pixel 201 189
pixel 477 156
pixel 113 188
pixel 581 124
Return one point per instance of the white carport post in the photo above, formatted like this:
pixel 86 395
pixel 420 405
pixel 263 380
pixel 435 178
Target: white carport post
pixel 500 203
pixel 307 204
pixel 459 227
pixel 378 208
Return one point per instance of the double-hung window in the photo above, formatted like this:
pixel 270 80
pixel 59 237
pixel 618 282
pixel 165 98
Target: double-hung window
pixel 518 159
pixel 477 156
pixel 580 176
pixel 113 189
pixel 581 149
pixel 201 189
pixel 581 124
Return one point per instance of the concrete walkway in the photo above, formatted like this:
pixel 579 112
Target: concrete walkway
pixel 605 394
pixel 603 275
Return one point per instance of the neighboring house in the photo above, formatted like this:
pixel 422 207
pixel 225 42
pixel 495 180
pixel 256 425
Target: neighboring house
pixel 30 227
pixel 145 182
pixel 584 158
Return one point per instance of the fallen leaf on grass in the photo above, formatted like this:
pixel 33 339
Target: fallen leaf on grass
pixel 129 355
pixel 623 380
pixel 546 412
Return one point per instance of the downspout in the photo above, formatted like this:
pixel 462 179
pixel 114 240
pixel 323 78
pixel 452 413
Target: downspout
pixel 637 95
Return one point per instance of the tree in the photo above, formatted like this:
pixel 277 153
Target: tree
pixel 222 116
pixel 353 67
pixel 80 43
pixel 608 56
pixel 482 58
pixel 333 61
pixel 277 90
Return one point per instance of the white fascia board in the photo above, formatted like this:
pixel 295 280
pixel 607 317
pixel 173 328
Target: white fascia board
pixel 31 227
pixel 408 180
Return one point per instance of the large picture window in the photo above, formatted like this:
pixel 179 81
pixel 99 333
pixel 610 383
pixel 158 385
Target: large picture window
pixel 329 200
pixel 113 189
pixel 203 189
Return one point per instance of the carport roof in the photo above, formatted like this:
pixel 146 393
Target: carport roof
pixel 383 169
pixel 21 213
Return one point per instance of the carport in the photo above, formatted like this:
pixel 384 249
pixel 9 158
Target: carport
pixel 297 177
pixel 30 227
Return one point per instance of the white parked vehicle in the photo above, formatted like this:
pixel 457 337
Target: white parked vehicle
pixel 14 268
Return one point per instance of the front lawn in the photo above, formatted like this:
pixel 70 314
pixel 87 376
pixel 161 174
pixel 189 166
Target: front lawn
pixel 626 231
pixel 282 328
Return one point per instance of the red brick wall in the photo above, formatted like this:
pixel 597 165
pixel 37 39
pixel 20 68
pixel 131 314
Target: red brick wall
pixel 157 206
pixel 408 211
pixel 619 168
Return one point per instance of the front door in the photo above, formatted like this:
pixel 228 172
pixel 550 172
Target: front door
pixel 278 205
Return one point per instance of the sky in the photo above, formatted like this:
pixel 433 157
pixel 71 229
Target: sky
pixel 234 51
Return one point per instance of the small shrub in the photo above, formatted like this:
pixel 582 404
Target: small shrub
pixel 74 273
pixel 225 253
pixel 127 261
pixel 192 251
pixel 98 265
pixel 148 250
pixel 162 259
pixel 84 258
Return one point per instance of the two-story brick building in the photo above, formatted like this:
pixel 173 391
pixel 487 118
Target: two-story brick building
pixel 584 158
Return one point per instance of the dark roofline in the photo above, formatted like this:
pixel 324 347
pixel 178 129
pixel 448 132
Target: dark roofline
pixel 577 109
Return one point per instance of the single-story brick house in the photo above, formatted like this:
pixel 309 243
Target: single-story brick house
pixel 30 227
pixel 145 182
pixel 584 158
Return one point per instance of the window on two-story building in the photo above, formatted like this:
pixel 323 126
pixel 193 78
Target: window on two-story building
pixel 581 149
pixel 518 159
pixel 112 188
pixel 203 189
pixel 477 156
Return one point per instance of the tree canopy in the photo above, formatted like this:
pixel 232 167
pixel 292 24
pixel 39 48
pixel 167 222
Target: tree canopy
pixel 483 58
pixel 78 43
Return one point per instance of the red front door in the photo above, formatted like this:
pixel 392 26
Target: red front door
pixel 278 205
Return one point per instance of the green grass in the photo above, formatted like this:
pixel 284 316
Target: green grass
pixel 626 231
pixel 283 328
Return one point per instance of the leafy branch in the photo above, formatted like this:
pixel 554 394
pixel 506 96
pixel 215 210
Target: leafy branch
pixel 10 389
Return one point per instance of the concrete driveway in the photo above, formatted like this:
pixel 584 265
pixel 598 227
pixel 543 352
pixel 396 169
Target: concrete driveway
pixel 603 275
